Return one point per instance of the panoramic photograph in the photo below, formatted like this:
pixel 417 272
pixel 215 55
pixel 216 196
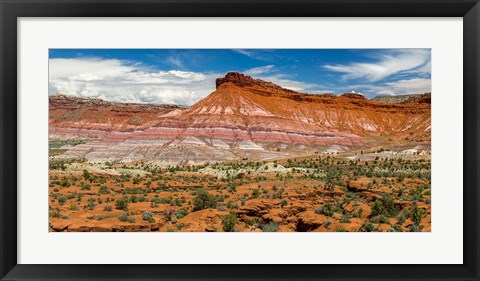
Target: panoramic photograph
pixel 239 140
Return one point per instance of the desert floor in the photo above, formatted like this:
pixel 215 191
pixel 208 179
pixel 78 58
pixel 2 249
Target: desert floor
pixel 366 191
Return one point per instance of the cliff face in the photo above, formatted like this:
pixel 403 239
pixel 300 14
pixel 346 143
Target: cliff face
pixel 242 118
pixel 74 117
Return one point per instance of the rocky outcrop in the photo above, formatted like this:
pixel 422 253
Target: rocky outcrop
pixel 419 98
pixel 424 98
pixel 235 78
pixel 309 220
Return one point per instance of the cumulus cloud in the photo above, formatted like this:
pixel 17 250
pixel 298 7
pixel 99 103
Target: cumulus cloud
pixel 89 67
pixel 123 81
pixel 400 87
pixel 386 64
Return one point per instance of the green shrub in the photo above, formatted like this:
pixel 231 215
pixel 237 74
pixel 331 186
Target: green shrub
pixel 402 216
pixel 54 213
pixel 368 227
pixel 62 200
pixel 103 190
pixel 416 214
pixel 73 208
pixel 345 219
pixel 126 218
pixel 122 204
pixel 340 229
pixel 384 206
pixel 204 200
pixel 107 208
pixel 86 175
pixel 148 216
pixel 181 213
pixel 102 217
pixel 84 186
pixel 270 227
pixel 327 224
pixel 327 209
pixel 91 204
pixel 415 228
pixel 379 219
pixel 229 222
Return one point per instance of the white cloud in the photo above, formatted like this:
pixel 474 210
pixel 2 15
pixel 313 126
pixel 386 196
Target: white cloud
pixel 260 55
pixel 286 82
pixel 247 53
pixel 388 63
pixel 260 70
pixel 426 68
pixel 283 80
pixel 81 68
pixel 121 81
pixel 400 87
pixel 409 86
pixel 175 61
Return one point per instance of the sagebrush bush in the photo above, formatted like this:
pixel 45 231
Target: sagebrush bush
pixel 148 216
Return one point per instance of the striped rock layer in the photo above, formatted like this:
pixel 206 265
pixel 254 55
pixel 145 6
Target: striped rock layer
pixel 243 118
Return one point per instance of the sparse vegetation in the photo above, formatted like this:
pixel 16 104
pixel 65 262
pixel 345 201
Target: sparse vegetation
pixel 380 194
pixel 125 217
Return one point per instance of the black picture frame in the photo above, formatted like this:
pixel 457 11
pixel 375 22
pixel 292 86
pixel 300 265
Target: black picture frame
pixel 10 10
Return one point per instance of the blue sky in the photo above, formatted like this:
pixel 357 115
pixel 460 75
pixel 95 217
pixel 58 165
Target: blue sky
pixel 184 76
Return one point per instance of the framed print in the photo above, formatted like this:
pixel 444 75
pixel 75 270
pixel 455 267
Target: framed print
pixel 226 140
pixel 245 156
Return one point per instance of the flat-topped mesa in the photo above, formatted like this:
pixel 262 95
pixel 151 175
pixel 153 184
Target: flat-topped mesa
pixel 61 101
pixel 243 118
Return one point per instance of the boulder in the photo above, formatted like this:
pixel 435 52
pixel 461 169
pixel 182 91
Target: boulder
pixel 309 220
